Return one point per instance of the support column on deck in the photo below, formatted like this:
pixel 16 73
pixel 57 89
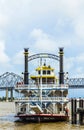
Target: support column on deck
pixel 61 71
pixel 26 74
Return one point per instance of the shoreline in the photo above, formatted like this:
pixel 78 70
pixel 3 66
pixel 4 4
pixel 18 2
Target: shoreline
pixel 7 108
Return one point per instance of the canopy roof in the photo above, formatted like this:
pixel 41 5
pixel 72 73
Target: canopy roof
pixel 44 67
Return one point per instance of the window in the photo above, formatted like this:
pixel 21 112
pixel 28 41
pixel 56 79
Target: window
pixel 44 72
pixel 39 72
pixel 21 109
pixel 48 72
pixel 43 80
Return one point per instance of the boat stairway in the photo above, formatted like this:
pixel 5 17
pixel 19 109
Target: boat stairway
pixel 50 108
pixel 36 108
pixel 48 92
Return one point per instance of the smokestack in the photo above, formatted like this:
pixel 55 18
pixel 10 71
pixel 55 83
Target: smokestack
pixel 26 74
pixel 61 73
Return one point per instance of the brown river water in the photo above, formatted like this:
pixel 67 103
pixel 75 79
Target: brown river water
pixel 9 122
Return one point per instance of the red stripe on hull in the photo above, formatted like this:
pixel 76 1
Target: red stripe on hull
pixel 43 117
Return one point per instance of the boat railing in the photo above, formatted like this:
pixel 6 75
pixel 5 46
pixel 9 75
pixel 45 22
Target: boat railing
pixel 39 86
pixel 50 99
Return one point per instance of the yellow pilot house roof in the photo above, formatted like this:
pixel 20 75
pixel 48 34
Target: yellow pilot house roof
pixel 44 68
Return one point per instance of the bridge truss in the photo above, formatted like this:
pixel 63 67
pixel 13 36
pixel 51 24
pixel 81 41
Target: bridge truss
pixel 9 80
pixel 76 83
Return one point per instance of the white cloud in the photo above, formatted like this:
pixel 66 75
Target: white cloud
pixel 43 42
pixel 75 65
pixel 79 28
pixel 3 21
pixel 70 7
pixel 38 33
pixel 3 56
pixel 68 64
pixel 46 42
pixel 18 58
pixel 50 22
pixel 24 13
pixel 5 65
pixel 80 58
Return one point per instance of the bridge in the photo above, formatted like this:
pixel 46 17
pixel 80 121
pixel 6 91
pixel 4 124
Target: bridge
pixel 9 80
pixel 76 83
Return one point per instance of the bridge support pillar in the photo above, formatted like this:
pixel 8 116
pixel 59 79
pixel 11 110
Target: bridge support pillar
pixel 6 94
pixel 11 95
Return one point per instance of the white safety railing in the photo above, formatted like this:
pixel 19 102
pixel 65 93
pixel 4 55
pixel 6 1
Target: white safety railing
pixel 44 86
pixel 44 99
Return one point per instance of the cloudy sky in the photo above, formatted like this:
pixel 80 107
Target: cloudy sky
pixel 42 26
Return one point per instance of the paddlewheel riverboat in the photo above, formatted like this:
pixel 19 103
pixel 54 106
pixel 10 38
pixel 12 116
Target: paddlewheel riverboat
pixel 44 97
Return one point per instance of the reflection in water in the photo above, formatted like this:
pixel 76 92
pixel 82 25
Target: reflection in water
pixel 10 123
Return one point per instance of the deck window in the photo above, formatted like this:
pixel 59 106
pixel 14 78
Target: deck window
pixel 39 72
pixel 21 109
pixel 48 72
pixel 44 72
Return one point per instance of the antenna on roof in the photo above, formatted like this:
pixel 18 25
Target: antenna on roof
pixel 45 62
pixel 41 61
